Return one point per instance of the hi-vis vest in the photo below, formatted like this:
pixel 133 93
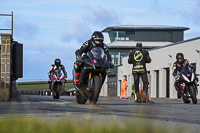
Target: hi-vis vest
pixel 124 84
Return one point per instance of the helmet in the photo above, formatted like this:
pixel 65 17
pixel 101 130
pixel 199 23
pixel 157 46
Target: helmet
pixel 180 57
pixel 139 44
pixel 57 62
pixel 97 36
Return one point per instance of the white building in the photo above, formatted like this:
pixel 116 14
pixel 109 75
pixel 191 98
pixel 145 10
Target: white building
pixel 162 84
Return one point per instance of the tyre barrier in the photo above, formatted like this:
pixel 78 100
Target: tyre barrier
pixel 41 93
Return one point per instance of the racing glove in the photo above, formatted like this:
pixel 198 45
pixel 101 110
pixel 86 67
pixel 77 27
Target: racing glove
pixel 111 65
pixel 78 60
pixel 177 77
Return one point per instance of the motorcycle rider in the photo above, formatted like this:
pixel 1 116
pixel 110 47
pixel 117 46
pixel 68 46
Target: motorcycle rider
pixel 139 57
pixel 96 40
pixel 177 67
pixel 57 65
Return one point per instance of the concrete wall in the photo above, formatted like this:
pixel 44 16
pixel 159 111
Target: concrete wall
pixel 162 59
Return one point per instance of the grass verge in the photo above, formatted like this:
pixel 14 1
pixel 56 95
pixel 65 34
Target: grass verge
pixel 31 125
pixel 37 86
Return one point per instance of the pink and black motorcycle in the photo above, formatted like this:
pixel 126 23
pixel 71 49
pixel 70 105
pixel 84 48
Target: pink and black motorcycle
pixel 57 83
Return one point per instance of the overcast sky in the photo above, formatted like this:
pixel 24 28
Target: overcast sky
pixel 52 29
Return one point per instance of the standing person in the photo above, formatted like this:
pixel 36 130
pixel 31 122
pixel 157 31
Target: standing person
pixel 123 89
pixel 139 57
pixel 133 91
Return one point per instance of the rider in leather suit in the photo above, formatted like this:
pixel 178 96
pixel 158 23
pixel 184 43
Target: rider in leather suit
pixel 177 67
pixel 95 41
pixel 57 65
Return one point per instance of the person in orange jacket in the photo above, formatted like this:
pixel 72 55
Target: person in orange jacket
pixel 123 89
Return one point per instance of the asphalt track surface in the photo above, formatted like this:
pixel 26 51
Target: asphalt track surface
pixel 166 112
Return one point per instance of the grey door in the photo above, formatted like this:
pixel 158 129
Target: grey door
pixel 112 85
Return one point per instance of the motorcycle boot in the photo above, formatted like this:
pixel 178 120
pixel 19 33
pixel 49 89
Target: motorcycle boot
pixel 77 76
pixel 178 88
pixel 144 95
pixel 138 98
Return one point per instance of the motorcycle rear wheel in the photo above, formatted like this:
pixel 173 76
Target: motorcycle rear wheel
pixel 96 90
pixel 80 99
pixel 193 94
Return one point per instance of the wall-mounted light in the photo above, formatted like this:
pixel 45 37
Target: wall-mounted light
pixel 198 51
pixel 170 56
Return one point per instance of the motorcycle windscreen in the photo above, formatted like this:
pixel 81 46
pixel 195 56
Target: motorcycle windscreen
pixel 186 70
pixel 96 57
pixel 57 72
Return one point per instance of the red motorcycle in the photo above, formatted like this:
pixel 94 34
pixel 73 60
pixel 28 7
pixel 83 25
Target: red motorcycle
pixel 57 83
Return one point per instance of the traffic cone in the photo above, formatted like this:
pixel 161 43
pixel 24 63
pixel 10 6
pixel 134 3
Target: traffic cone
pixel 147 97
pixel 70 93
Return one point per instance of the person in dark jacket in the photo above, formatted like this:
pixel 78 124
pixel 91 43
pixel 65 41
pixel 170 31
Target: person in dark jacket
pixel 95 41
pixel 139 57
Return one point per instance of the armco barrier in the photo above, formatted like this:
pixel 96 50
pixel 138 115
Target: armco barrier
pixel 36 92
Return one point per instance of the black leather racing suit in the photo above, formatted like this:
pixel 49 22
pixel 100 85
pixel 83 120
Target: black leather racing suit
pixel 139 57
pixel 177 67
pixel 87 46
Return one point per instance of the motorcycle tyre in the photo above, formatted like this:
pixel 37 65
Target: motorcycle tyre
pixel 96 90
pixel 58 89
pixel 193 95
pixel 80 99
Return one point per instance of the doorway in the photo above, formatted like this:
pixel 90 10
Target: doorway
pixel 112 85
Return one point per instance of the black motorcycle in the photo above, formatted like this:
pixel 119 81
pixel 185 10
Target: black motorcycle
pixel 94 70
pixel 188 84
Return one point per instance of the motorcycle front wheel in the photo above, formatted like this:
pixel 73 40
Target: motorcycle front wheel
pixel 96 87
pixel 193 94
pixel 58 88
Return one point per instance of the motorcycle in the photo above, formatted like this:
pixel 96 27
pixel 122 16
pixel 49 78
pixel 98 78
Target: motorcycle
pixel 57 83
pixel 94 70
pixel 188 84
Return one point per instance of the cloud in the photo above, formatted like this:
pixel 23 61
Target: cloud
pixel 97 18
pixel 103 17
pixel 79 31
pixel 195 14
pixel 39 56
pixel 24 29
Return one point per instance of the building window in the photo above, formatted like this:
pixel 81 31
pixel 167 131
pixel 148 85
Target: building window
pixel 121 35
pixel 116 58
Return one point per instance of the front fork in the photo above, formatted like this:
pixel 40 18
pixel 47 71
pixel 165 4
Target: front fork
pixel 90 80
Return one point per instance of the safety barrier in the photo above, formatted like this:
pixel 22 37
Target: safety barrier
pixel 41 93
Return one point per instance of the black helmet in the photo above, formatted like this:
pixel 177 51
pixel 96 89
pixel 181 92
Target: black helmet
pixel 57 62
pixel 97 35
pixel 180 57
